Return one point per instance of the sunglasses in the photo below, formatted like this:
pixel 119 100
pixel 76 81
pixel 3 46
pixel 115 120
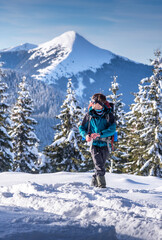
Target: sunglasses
pixel 95 101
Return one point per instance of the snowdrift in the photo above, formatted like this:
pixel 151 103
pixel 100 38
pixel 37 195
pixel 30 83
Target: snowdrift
pixel 64 206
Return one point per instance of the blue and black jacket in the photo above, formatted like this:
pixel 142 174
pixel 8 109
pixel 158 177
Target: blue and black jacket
pixel 98 124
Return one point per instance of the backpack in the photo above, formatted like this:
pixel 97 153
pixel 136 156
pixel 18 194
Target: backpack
pixel 110 140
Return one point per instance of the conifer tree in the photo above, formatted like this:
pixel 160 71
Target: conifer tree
pixel 6 155
pixel 25 142
pixel 119 147
pixel 145 125
pixel 64 153
pixel 43 163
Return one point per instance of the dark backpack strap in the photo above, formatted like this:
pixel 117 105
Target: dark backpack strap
pixel 89 119
pixel 107 117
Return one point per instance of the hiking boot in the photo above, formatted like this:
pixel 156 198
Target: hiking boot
pixel 94 181
pixel 101 182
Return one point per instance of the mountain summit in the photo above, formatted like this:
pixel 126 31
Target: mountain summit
pixel 67 55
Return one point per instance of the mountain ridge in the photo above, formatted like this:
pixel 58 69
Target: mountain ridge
pixel 21 47
pixel 63 56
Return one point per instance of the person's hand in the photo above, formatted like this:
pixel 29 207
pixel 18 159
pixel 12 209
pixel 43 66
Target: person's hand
pixel 95 135
pixel 88 138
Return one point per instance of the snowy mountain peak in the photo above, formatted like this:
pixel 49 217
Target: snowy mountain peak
pixel 66 40
pixel 21 47
pixel 66 55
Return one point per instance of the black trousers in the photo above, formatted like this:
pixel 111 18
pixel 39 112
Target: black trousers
pixel 99 156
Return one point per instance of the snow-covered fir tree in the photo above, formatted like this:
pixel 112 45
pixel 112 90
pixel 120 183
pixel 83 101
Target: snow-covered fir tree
pixel 116 159
pixel 145 125
pixel 43 163
pixel 25 141
pixel 6 155
pixel 64 153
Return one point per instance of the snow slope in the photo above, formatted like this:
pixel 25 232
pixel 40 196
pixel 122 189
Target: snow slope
pixel 64 206
pixel 69 54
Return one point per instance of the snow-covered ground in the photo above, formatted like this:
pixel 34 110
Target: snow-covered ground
pixel 64 206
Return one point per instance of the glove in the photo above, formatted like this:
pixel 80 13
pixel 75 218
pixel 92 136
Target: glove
pixel 88 138
pixel 95 135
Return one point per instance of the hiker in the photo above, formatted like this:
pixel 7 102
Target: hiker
pixel 98 124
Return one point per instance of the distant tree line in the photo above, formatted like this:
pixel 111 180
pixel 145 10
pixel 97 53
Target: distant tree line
pixel 137 151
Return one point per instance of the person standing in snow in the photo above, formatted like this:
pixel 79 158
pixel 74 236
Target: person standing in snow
pixel 98 124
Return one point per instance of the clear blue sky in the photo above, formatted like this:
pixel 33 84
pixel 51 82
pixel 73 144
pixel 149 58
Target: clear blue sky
pixel 131 28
